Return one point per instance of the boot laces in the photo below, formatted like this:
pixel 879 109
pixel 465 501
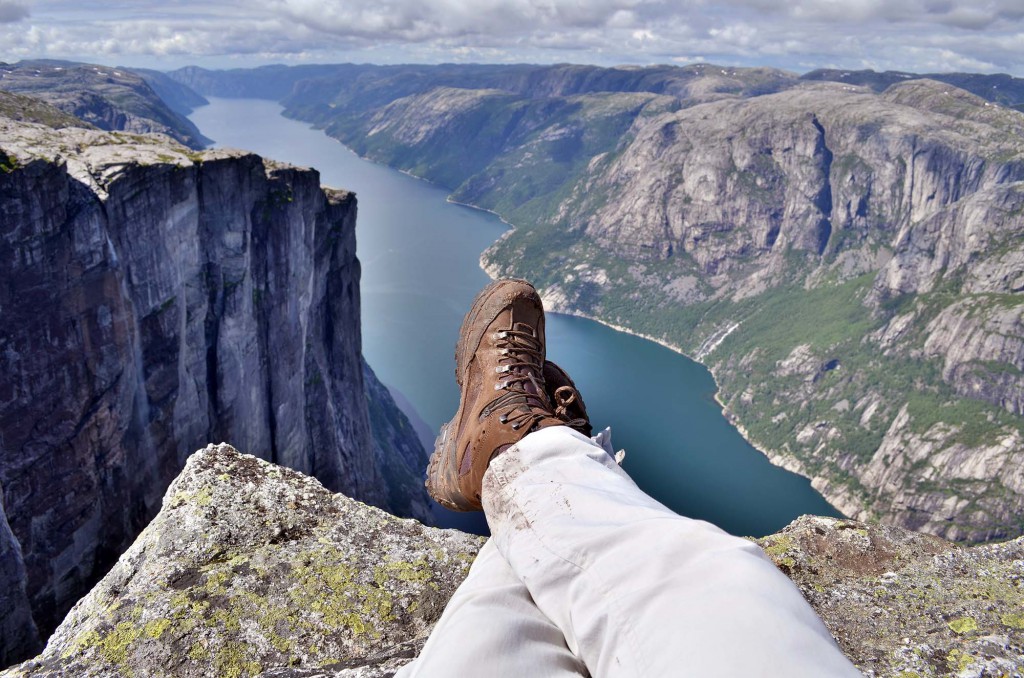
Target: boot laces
pixel 565 396
pixel 523 402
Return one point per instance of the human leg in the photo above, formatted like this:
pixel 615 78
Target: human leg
pixel 636 589
pixel 491 627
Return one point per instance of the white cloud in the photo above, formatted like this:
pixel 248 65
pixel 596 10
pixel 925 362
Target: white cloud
pixel 920 35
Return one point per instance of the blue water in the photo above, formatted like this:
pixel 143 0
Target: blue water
pixel 420 257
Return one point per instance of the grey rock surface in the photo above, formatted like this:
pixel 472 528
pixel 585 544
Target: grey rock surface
pixel 113 99
pixel 30 109
pixel 253 569
pixel 909 605
pixel 19 637
pixel 156 299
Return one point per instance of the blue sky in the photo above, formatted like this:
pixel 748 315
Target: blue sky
pixel 913 35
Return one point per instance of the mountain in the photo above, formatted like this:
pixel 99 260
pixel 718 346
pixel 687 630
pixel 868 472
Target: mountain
pixel 31 109
pixel 178 97
pixel 156 299
pixel 112 99
pixel 846 259
pixel 212 588
pixel 999 88
pixel 265 82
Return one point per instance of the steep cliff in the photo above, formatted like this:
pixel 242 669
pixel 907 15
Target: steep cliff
pixel 179 98
pixel 113 99
pixel 849 265
pixel 848 262
pixel 251 569
pixel 155 299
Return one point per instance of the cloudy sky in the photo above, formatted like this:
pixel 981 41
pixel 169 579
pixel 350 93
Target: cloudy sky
pixel 914 35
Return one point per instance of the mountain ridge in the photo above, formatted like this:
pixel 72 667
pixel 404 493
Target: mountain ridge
pixel 770 205
pixel 113 99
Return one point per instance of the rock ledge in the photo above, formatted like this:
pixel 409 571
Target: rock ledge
pixel 252 569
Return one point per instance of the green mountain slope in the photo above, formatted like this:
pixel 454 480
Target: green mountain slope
pixel 849 260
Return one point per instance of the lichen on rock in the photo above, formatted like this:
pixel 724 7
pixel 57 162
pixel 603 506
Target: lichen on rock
pixel 250 567
pixel 903 604
pixel 253 569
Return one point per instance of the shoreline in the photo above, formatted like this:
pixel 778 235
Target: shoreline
pixel 784 461
pixel 787 462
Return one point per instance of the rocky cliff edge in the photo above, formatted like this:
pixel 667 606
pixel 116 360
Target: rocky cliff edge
pixel 155 300
pixel 253 569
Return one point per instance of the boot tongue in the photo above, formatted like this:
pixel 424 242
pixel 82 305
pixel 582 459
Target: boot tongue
pixel 533 385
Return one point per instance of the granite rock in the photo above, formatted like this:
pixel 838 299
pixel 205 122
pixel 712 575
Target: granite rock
pixel 909 605
pixel 156 299
pixel 251 569
pixel 254 569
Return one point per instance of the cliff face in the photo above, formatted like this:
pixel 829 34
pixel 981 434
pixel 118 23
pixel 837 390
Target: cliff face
pixel 154 299
pixel 251 569
pixel 847 262
pixel 851 264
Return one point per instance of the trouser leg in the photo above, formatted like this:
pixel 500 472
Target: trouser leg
pixel 491 627
pixel 636 589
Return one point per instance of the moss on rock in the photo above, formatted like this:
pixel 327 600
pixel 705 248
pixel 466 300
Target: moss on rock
pixel 250 566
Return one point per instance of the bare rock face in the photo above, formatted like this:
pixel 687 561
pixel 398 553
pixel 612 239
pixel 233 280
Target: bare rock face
pixel 251 569
pixel 156 299
pixel 18 634
pixel 31 109
pixel 805 168
pixel 740 215
pixel 903 604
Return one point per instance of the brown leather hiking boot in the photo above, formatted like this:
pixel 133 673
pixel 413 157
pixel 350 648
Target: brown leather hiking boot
pixel 566 398
pixel 499 366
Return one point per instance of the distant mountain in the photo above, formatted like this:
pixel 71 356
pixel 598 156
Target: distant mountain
pixel 999 88
pixel 847 257
pixel 111 99
pixel 181 99
pixel 29 109
pixel 266 82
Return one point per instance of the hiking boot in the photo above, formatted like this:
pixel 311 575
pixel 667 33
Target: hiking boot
pixel 566 399
pixel 499 362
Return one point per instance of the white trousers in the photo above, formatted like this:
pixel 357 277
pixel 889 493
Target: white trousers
pixel 586 574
